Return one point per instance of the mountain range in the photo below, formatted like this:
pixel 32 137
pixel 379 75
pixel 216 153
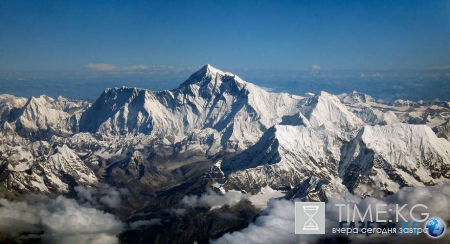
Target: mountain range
pixel 217 131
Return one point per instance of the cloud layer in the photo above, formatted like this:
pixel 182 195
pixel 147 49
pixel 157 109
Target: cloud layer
pixel 105 67
pixel 59 220
pixel 109 196
pixel 102 67
pixel 64 220
pixel 277 223
pixel 315 67
pixel 213 200
pixel 144 223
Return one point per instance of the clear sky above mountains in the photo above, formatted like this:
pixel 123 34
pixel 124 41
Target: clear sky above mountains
pixel 292 35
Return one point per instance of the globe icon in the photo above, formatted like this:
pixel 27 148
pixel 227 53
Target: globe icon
pixel 436 227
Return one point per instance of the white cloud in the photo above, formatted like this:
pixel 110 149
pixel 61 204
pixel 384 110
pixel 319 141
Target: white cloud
pixel 85 194
pixel 214 200
pixel 61 220
pixel 112 197
pixel 177 211
pixel 135 68
pixel 371 75
pixel 267 89
pixel 277 223
pixel 102 67
pixel 144 223
pixel 440 68
pixel 107 196
pixel 315 67
pixel 112 67
pixel 210 199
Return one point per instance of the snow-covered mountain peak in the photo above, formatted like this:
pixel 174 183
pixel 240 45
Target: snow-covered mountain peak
pixel 33 100
pixel 208 75
pixel 326 109
pixel 212 70
pixel 6 128
pixel 356 97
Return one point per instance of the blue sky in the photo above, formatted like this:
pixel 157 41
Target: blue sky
pixel 291 35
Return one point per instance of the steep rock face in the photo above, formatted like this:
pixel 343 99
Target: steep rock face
pixel 283 158
pixel 393 156
pixel 135 170
pixel 312 189
pixel 443 130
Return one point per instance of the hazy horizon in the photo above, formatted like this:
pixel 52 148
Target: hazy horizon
pixel 409 84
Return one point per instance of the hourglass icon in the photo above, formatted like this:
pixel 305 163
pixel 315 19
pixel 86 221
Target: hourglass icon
pixel 310 224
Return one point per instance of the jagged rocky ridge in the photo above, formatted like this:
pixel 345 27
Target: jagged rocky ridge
pixel 39 166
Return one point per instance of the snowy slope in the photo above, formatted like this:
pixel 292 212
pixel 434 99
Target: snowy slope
pixel 393 156
pixel 382 157
pixel 371 112
pixel 284 157
pixel 326 109
pixel 367 109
